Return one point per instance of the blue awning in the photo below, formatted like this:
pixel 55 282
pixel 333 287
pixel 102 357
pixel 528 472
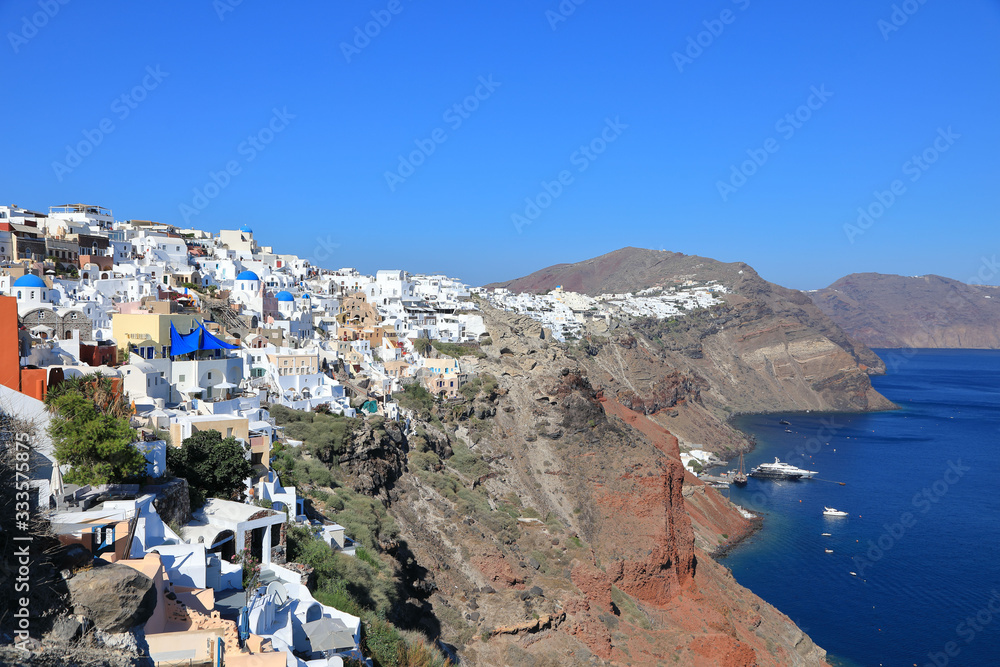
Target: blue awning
pixel 210 342
pixel 199 339
pixel 182 343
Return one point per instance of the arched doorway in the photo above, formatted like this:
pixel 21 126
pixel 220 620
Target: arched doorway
pixel 224 545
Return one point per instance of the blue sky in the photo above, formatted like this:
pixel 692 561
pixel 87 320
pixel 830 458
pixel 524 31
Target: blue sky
pixel 309 129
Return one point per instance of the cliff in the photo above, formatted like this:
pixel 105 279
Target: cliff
pixel 925 311
pixel 559 526
pixel 545 517
pixel 766 348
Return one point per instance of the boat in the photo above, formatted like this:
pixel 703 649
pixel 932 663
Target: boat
pixel 825 534
pixel 829 551
pixel 829 511
pixel 779 470
pixel 740 478
pixel 785 422
pixel 788 430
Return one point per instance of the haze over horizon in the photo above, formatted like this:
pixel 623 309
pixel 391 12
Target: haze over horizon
pixel 294 122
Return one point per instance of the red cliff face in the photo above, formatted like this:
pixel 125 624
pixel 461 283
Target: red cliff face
pixel 652 507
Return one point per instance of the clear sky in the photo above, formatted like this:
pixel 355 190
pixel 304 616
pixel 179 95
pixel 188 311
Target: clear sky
pixel 135 105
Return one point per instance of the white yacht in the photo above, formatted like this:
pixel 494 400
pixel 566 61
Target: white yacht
pixel 779 470
pixel 829 511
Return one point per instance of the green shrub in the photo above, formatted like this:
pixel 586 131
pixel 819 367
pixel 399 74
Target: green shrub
pixel 466 462
pixel 366 556
pixel 196 498
pixel 457 350
pixel 424 460
pixel 415 397
pixel 382 642
pixel 334 594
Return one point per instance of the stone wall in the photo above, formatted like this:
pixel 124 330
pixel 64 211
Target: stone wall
pixel 172 502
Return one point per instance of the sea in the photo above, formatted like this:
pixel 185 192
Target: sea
pixel 912 575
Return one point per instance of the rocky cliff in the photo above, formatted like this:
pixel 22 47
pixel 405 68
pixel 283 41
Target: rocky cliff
pixel 925 311
pixel 553 523
pixel 765 348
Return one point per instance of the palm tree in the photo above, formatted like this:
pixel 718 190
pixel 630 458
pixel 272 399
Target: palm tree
pixel 106 393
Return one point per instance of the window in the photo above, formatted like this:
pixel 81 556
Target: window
pixel 210 375
pixel 180 378
pixel 229 432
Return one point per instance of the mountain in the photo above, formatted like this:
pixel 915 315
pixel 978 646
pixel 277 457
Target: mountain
pixel 624 270
pixel 765 349
pixel 544 516
pixel 541 521
pixel 882 310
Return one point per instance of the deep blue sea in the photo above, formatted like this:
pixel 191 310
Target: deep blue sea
pixel 922 486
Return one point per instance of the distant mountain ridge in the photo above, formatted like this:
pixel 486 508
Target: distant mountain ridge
pixel 882 310
pixel 625 270
pixel 765 349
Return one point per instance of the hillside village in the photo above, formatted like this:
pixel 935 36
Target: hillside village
pixel 567 313
pixel 212 332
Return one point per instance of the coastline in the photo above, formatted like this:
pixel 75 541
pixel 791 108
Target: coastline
pixel 723 550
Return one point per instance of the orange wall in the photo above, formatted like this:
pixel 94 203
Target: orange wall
pixel 10 364
pixel 33 382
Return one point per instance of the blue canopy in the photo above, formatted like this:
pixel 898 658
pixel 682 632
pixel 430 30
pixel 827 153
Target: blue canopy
pixel 210 342
pixel 199 339
pixel 182 344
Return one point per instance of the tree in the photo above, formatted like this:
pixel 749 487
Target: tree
pixel 96 444
pixel 105 392
pixel 422 346
pixel 214 465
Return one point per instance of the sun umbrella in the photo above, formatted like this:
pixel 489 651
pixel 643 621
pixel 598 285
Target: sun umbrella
pixel 328 634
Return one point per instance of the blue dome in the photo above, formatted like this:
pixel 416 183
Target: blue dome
pixel 247 275
pixel 284 296
pixel 246 228
pixel 30 280
pixel 306 296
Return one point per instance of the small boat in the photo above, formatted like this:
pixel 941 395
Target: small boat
pixel 829 551
pixel 829 511
pixel 788 430
pixel 825 534
pixel 785 422
pixel 740 478
pixel 853 574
